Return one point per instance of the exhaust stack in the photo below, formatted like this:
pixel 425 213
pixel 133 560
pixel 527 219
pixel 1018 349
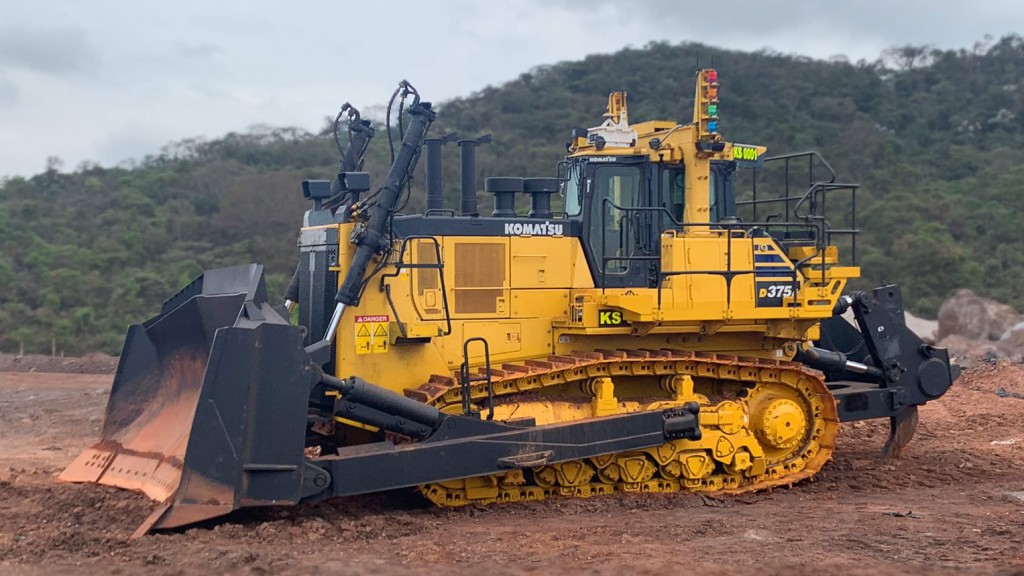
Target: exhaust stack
pixel 468 150
pixel 435 179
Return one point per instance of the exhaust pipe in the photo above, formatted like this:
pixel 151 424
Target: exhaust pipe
pixel 435 179
pixel 468 156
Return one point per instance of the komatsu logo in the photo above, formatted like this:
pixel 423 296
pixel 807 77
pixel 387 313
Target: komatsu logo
pixel 533 229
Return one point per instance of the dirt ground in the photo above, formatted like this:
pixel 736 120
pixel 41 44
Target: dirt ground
pixel 954 503
pixel 90 364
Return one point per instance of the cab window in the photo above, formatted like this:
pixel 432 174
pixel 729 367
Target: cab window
pixel 612 227
pixel 673 190
pixel 571 189
pixel 722 200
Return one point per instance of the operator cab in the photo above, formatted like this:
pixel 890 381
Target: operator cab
pixel 626 202
pixel 629 184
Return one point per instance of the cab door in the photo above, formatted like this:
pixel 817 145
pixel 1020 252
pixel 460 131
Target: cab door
pixel 620 238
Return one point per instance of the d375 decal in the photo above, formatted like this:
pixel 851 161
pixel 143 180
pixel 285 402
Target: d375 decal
pixel 773 293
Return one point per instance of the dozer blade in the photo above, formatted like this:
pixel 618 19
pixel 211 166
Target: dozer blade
pixel 208 406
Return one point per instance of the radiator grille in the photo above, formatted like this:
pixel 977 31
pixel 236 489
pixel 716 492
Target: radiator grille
pixel 479 277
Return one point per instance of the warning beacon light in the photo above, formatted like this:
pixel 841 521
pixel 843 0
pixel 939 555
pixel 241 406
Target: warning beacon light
pixel 705 109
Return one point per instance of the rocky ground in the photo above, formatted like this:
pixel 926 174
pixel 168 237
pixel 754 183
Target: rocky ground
pixel 954 503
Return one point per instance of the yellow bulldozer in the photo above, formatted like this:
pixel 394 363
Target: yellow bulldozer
pixel 644 337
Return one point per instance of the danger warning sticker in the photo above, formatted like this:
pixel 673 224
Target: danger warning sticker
pixel 362 319
pixel 372 334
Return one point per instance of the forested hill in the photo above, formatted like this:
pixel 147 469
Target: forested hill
pixel 936 138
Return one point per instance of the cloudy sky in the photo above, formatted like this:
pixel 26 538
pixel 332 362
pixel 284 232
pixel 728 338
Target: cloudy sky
pixel 108 80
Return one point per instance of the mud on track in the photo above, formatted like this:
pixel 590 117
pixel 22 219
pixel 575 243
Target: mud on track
pixel 947 507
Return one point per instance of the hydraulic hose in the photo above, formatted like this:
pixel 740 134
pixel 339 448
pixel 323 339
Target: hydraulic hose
pixel 371 237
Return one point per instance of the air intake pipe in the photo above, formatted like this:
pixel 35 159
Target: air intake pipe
pixel 540 191
pixel 504 190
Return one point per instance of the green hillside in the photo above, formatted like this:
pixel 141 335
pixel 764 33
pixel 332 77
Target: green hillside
pixel 936 138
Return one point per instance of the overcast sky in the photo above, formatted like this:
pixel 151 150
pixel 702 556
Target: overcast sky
pixel 108 80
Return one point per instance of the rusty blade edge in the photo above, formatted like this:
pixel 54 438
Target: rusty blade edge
pixel 109 464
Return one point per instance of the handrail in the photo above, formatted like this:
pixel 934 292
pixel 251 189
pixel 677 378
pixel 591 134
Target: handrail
pixel 439 211
pixel 823 187
pixel 467 379
pixel 604 230
pixel 805 212
pixel 786 158
pixel 807 206
pixel 400 264
pixel 729 228
pixel 811 155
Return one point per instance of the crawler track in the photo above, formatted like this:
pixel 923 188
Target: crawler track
pixel 765 423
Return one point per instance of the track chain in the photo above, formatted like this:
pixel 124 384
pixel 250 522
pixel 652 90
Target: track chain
pixel 675 466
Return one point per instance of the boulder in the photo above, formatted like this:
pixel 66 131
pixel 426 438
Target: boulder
pixel 1011 345
pixel 970 325
pixel 971 316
